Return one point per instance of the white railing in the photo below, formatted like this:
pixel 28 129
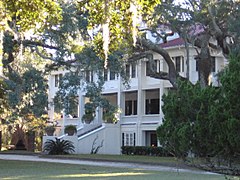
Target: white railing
pixel 92 132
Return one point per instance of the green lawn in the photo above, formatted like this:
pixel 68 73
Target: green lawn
pixel 40 170
pixel 121 158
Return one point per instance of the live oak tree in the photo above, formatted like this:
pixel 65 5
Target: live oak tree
pixel 20 20
pixel 205 25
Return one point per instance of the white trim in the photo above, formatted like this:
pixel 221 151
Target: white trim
pixel 92 132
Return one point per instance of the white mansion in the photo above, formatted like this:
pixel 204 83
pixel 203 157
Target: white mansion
pixel 140 104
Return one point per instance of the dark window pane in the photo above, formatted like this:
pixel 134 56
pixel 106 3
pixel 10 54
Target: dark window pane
pixel 135 107
pixel 112 75
pixel 147 107
pixel 197 65
pixel 128 70
pixel 147 68
pixel 213 64
pixel 182 59
pixel 56 78
pixel 123 139
pixel 154 106
pixel 133 70
pixel 105 75
pixel 151 68
pixel 87 76
pixel 128 107
pixel 153 139
pixel 178 63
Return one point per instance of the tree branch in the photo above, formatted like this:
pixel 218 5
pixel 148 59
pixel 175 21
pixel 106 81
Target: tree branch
pixel 172 75
pixel 160 75
pixel 35 43
pixel 138 56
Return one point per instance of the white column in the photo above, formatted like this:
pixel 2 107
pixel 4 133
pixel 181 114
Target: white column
pixel 81 107
pixel 140 105
pixel 162 92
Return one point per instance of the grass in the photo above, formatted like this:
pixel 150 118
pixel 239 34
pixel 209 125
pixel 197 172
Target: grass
pixel 121 158
pixel 19 170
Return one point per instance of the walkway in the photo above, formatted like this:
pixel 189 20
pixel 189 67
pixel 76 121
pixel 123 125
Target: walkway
pixel 99 163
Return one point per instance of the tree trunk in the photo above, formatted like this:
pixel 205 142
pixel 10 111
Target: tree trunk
pixel 1 53
pixel 0 140
pixel 31 141
pixel 172 73
pixel 204 59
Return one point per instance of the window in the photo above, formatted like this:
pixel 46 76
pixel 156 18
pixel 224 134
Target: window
pixel 152 68
pixel 112 75
pixel 74 106
pixel 179 63
pixel 152 106
pixel 151 138
pixel 105 74
pixel 57 79
pixel 152 101
pixel 213 64
pixel 128 139
pixel 131 103
pixel 128 70
pixel 128 107
pixel 131 70
pixel 131 107
pixel 89 76
pixel 197 65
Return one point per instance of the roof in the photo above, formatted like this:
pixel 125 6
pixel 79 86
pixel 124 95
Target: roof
pixel 175 42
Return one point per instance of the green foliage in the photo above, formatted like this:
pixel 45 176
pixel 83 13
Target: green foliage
pixel 119 16
pixel 206 121
pixel 145 151
pixel 58 147
pixel 89 115
pixel 225 115
pixel 186 122
pixel 3 102
pixel 27 93
pixel 69 128
pixel 32 14
pixel 49 130
pixel 66 97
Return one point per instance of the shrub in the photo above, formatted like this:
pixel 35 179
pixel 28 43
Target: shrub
pixel 145 150
pixel 58 147
pixel 70 129
pixel 49 130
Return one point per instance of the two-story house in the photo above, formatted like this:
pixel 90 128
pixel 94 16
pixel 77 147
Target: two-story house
pixel 140 103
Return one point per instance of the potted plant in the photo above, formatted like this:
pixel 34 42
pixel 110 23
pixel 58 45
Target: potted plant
pixel 50 130
pixel 110 114
pixel 87 118
pixel 108 117
pixel 70 130
pixel 89 115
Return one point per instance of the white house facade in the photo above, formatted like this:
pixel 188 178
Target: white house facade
pixel 140 103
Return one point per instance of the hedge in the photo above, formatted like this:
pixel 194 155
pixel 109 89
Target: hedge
pixel 145 150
